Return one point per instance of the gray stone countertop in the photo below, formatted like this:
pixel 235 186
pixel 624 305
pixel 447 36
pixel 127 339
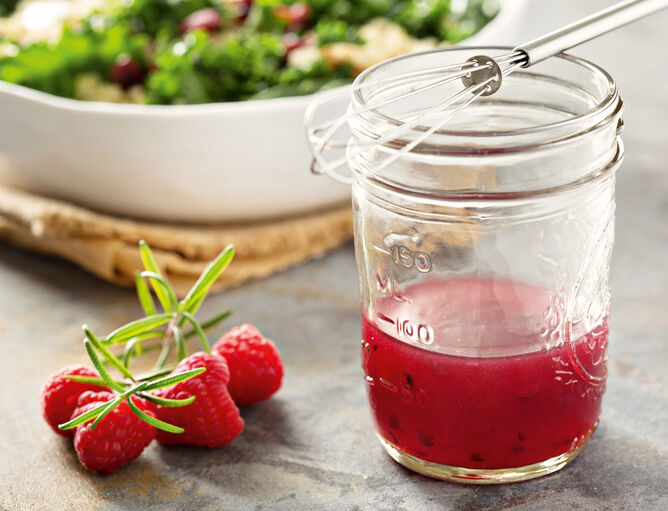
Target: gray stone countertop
pixel 313 445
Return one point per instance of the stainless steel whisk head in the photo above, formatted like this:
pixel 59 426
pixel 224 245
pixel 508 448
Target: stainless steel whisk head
pixel 480 75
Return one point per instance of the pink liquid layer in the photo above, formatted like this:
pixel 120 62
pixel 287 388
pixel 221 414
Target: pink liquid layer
pixel 484 412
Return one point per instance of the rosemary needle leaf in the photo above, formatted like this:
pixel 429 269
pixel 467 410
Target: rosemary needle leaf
pixel 198 330
pixel 144 295
pixel 164 355
pixel 159 283
pixel 195 296
pixel 209 323
pixel 180 342
pixel 176 378
pixel 156 423
pixel 107 354
pixel 100 368
pixel 110 406
pixel 167 402
pixel 83 417
pixel 155 374
pixel 150 265
pixel 137 327
pixel 130 350
pixel 89 379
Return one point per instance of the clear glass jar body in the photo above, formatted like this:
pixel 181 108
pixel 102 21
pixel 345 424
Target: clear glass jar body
pixel 483 258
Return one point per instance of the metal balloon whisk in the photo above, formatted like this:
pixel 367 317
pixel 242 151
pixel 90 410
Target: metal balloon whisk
pixel 481 75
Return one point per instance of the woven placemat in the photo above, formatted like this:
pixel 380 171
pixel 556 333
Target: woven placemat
pixel 107 246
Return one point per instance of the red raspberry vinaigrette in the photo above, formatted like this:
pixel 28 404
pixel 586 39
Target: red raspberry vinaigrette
pixel 491 410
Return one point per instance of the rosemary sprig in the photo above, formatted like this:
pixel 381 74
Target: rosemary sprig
pixel 123 393
pixel 166 326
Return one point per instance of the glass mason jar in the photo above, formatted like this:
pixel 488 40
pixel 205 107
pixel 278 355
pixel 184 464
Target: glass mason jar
pixel 483 256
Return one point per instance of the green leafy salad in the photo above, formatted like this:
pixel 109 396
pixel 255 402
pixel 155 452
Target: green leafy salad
pixel 202 51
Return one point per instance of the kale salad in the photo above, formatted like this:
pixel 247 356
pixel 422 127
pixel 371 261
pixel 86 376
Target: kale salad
pixel 201 51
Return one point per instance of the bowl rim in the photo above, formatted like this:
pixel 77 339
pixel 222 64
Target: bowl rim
pixel 508 10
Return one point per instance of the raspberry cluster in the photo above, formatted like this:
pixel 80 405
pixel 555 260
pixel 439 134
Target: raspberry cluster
pixel 243 369
pixel 194 402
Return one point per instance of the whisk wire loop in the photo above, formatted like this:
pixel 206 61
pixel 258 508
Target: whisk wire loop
pixel 332 127
pixel 480 89
pixel 477 86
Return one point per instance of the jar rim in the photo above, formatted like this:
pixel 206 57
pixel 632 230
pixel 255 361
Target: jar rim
pixel 453 196
pixel 591 117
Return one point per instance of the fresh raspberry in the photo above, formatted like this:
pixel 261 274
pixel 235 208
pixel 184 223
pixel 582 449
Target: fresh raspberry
pixel 119 438
pixel 59 396
pixel 256 369
pixel 212 420
pixel 92 396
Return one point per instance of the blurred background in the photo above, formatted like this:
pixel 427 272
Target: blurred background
pixel 182 121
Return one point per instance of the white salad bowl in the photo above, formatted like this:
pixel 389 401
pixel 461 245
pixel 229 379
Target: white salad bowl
pixel 219 162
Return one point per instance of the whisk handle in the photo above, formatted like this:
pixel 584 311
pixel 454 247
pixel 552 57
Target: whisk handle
pixel 588 28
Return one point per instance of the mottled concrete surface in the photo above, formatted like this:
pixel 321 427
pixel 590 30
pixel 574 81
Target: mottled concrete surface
pixel 312 446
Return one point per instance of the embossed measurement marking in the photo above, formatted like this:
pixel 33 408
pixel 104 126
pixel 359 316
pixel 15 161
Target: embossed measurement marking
pixel 396 248
pixel 382 250
pixel 388 287
pixel 385 318
pixel 411 258
pixel 388 385
pixel 415 332
pixel 408 392
pixel 409 330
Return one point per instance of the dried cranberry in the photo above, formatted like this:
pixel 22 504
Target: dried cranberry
pixel 127 72
pixel 208 19
pixel 238 10
pixel 243 8
pixel 292 41
pixel 299 13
